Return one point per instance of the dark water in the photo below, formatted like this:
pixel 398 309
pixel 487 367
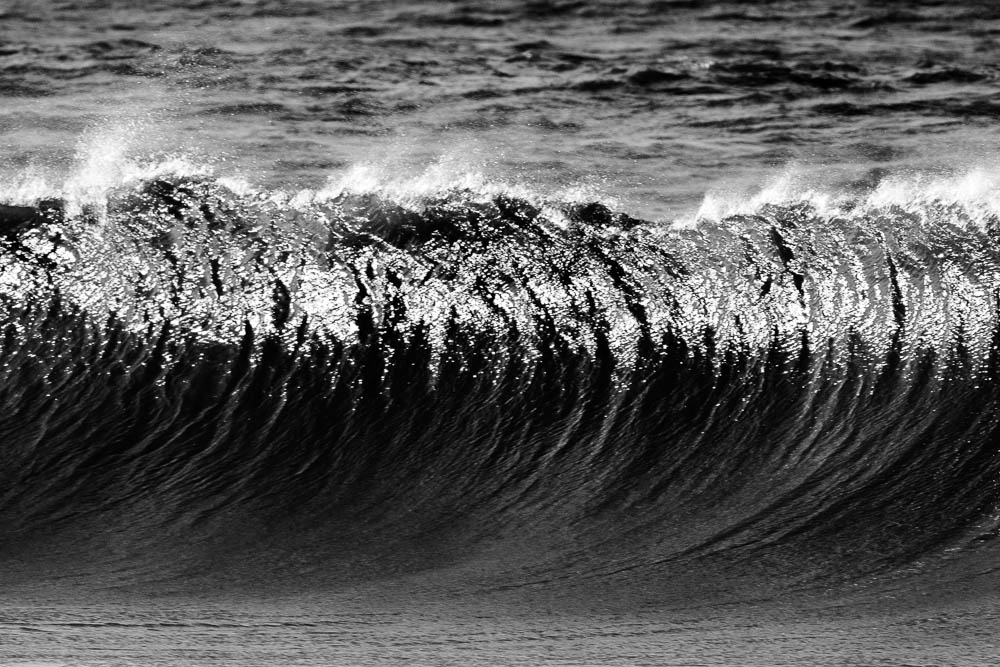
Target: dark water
pixel 548 333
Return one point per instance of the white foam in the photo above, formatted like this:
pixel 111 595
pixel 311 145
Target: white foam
pixel 106 161
pixel 439 180
pixel 26 187
pixel 414 189
pixel 976 191
pixel 109 156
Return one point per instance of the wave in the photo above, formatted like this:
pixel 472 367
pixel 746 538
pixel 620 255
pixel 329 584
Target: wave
pixel 188 364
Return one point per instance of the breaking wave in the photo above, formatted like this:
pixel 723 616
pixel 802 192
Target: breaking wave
pixel 190 367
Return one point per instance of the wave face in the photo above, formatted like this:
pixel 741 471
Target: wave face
pixel 352 386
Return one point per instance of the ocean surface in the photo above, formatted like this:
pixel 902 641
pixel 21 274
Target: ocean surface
pixel 508 333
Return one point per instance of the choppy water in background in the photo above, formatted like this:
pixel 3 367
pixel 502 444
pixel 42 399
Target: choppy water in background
pixel 509 333
pixel 652 104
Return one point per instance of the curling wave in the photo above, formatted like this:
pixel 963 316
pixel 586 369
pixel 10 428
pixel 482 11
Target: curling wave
pixel 194 366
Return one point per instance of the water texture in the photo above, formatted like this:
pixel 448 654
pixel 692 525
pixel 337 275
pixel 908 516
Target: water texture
pixel 551 333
